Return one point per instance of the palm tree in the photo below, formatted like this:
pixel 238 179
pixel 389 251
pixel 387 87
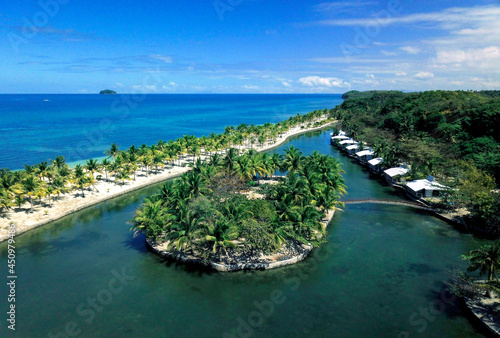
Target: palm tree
pixel 43 168
pixel 222 234
pixel 292 159
pixel 328 199
pixel 158 161
pixel 60 162
pixel 183 232
pixel 277 162
pixel 244 167
pixel 80 178
pixel 486 259
pixel 112 151
pixel 29 169
pixel 92 166
pixel 123 174
pixel 229 160
pixel 105 165
pixel 51 190
pixel 146 161
pixel 193 184
pixel 59 185
pixel 5 200
pixel 151 218
pixel 306 224
pixel 31 186
pixel 133 159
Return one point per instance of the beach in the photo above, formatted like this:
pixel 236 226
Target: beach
pixel 67 204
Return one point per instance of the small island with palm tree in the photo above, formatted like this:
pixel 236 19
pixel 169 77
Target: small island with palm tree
pixel 234 212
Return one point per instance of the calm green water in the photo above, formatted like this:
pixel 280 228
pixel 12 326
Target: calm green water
pixel 380 275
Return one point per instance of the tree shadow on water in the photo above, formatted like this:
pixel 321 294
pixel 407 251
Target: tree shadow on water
pixel 138 243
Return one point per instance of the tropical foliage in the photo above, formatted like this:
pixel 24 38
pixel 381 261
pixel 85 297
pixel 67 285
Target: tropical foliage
pixel 486 259
pixel 452 135
pixel 207 212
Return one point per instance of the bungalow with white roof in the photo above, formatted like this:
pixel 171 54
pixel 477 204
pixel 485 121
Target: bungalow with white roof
pixel 336 139
pixel 344 143
pixel 425 188
pixel 375 165
pixel 351 150
pixel 393 175
pixel 362 157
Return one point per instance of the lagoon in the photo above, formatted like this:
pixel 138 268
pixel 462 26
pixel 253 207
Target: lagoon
pixel 380 274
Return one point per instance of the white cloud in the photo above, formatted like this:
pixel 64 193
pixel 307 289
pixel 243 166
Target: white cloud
pixel 145 88
pixel 172 83
pixel 410 50
pixel 329 82
pixel 401 74
pixel 388 53
pixel 119 85
pixel 250 87
pixel 342 6
pixel 471 56
pixel 449 18
pixel 286 83
pixel 424 76
pixel 164 58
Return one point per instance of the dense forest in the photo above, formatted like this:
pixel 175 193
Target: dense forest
pixel 452 135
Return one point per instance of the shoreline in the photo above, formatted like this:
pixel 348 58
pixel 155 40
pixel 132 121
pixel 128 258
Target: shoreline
pixel 254 264
pixel 74 202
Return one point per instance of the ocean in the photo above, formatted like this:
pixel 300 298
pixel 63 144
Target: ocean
pixel 39 127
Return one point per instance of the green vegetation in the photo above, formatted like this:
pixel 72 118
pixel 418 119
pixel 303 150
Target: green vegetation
pixel 40 184
pixel 107 92
pixel 354 94
pixel 208 213
pixel 486 260
pixel 452 135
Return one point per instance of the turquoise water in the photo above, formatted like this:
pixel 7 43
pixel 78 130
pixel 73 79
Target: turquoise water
pixel 380 275
pixel 35 128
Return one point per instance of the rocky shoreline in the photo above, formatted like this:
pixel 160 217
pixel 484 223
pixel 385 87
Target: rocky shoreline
pixel 290 253
pixel 485 311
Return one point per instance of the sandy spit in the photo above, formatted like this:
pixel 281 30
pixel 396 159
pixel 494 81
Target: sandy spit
pixel 67 204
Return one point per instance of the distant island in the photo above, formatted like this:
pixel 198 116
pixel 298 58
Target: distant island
pixel 107 92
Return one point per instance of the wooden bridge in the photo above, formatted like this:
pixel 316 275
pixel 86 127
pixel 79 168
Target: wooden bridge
pixel 387 202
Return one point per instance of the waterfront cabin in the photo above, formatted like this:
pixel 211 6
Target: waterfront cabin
pixel 393 175
pixel 362 157
pixel 351 150
pixel 334 141
pixel 425 188
pixel 375 165
pixel 345 143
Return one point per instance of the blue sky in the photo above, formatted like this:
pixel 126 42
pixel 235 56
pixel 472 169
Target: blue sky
pixel 248 46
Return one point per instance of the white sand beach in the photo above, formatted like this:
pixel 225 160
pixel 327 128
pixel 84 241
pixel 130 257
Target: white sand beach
pixel 69 203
